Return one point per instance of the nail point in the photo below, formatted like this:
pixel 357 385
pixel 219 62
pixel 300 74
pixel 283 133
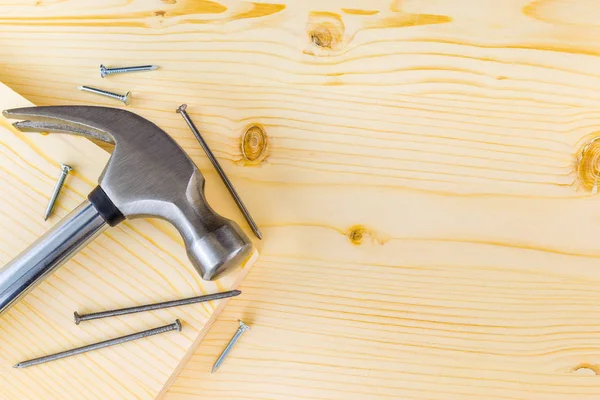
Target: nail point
pixel 19 365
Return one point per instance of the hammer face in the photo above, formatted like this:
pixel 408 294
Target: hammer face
pixel 149 175
pixel 219 251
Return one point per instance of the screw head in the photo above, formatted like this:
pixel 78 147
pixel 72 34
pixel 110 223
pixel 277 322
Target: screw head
pixel 127 98
pixel 77 318
pixel 178 323
pixel 243 326
pixel 103 71
pixel 65 167
pixel 181 108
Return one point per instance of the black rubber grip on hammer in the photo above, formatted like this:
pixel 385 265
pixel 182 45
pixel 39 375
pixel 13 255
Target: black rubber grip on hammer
pixel 106 208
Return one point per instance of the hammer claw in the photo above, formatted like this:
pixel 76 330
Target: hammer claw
pixel 57 126
pixel 32 113
pixel 54 119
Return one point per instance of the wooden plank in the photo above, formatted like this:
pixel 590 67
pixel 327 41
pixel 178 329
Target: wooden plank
pixel 138 262
pixel 429 233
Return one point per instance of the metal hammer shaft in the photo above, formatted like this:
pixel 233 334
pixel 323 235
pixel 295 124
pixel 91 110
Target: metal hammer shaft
pixel 49 252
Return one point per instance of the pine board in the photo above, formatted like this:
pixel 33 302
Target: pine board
pixel 138 262
pixel 429 233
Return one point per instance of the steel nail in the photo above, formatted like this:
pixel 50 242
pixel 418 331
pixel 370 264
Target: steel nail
pixel 123 339
pixel 182 110
pixel 156 306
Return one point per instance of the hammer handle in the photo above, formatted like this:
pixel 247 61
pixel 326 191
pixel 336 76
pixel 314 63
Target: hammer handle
pixel 49 252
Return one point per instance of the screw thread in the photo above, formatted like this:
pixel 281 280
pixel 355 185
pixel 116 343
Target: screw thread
pixel 110 71
pixel 57 187
pixel 124 98
pixel 243 328
pixel 119 70
pixel 112 95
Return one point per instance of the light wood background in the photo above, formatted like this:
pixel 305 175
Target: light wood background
pixel 430 220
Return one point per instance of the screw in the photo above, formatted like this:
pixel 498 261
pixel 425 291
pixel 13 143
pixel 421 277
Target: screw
pixel 109 71
pixel 243 328
pixel 182 110
pixel 101 345
pixel 125 98
pixel 157 306
pixel 65 169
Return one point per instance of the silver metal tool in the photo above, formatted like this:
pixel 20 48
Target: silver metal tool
pixel 125 98
pixel 156 306
pixel 64 171
pixel 182 110
pixel 238 334
pixel 148 175
pixel 176 326
pixel 104 71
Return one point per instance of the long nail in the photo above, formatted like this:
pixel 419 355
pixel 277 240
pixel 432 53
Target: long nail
pixel 182 110
pixel 156 306
pixel 107 343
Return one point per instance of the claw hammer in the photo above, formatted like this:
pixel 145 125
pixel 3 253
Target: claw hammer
pixel 148 175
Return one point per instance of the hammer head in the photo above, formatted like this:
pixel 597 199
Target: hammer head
pixel 148 175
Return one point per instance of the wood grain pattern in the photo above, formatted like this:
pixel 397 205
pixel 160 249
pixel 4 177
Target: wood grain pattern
pixel 430 229
pixel 138 262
